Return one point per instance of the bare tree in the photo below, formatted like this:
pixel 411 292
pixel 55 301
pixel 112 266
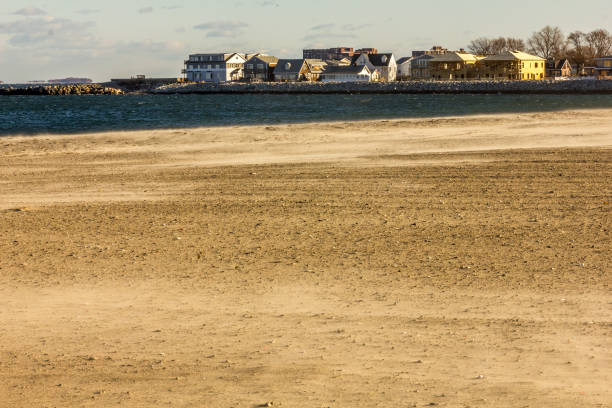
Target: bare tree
pixel 599 43
pixel 578 51
pixel 548 43
pixel 515 44
pixel 481 46
pixel 492 46
pixel 498 45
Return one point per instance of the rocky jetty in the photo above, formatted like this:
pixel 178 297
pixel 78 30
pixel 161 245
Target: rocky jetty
pixel 586 86
pixel 81 89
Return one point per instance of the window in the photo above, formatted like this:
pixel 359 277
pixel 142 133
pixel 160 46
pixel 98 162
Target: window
pixel 260 66
pixel 607 64
pixel 249 66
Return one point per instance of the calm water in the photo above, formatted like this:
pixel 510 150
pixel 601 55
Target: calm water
pixel 74 114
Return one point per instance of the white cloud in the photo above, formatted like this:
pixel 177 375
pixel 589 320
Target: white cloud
pixel 46 32
pixel 30 11
pixel 145 10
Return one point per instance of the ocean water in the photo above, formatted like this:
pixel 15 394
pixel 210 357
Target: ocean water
pixel 29 115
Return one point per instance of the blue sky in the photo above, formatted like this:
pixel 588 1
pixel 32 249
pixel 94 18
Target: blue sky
pixel 118 38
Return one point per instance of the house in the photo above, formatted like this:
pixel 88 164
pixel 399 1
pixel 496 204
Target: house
pixel 513 65
pixel 292 70
pixel 260 68
pixel 315 68
pixel 603 67
pixel 453 66
pixel 384 63
pixel 419 67
pixel 404 68
pixel 558 69
pixel 223 67
pixel 346 74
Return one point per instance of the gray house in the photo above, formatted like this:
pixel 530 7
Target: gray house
pixel 291 70
pixel 260 68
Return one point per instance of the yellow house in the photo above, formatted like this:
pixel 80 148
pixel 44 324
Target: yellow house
pixel 453 66
pixel 512 65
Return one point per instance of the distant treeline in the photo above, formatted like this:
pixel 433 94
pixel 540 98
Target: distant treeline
pixel 551 43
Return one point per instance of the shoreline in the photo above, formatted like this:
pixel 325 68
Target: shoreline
pixel 372 121
pixel 482 87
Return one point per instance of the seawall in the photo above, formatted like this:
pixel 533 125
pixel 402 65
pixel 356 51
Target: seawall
pixel 411 87
pixel 82 89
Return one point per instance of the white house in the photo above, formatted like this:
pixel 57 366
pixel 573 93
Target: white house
pixel 215 67
pixel 404 71
pixel 342 73
pixel 384 63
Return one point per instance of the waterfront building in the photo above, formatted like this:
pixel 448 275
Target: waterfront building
pixel 419 67
pixel 385 64
pixel 292 70
pixel 260 68
pixel 325 54
pixel 603 67
pixel 404 68
pixel 453 66
pixel 220 67
pixel 558 68
pixel 340 73
pixel 512 65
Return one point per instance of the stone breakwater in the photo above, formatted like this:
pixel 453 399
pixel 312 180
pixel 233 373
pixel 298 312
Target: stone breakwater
pixel 84 89
pixel 446 87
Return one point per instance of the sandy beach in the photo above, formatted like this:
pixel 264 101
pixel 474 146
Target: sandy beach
pixel 452 262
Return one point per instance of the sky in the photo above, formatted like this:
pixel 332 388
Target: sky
pixel 103 39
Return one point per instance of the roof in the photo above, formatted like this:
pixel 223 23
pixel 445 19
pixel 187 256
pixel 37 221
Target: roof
pixel 404 59
pixel 455 57
pixel 423 56
pixel 265 58
pixel 345 69
pixel 513 56
pixel 561 63
pixel 380 60
pixel 289 66
pixel 375 59
pixel 606 57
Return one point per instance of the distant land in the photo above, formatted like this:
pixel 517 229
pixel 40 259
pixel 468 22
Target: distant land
pixel 64 81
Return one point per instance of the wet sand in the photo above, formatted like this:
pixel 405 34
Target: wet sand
pixel 457 262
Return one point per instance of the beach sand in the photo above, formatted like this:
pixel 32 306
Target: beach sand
pixel 457 262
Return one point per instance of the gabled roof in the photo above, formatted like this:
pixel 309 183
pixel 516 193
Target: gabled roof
pixel 289 66
pixel 404 59
pixel 513 56
pixel 561 63
pixel 230 56
pixel 265 58
pixel 455 57
pixel 380 60
pixel 345 69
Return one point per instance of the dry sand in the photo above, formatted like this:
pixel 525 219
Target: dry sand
pixel 457 262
